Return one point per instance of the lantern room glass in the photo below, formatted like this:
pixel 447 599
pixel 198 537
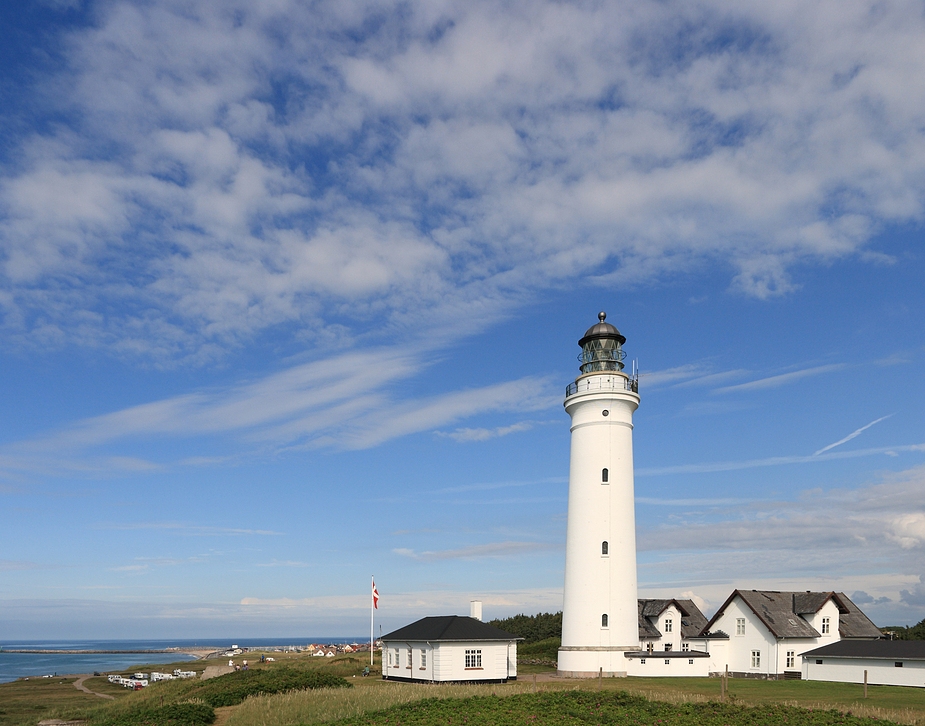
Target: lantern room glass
pixel 601 355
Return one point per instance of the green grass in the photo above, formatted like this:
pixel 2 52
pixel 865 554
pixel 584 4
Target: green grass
pixel 173 714
pixel 587 707
pixel 29 701
pixel 232 689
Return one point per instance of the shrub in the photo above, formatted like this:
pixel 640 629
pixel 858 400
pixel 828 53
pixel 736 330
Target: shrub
pixel 173 714
pixel 233 688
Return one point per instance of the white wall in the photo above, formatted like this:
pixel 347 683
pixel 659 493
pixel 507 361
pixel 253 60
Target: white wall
pixel 447 661
pixel 879 671
pixel 738 651
pixel 596 584
pixel 655 666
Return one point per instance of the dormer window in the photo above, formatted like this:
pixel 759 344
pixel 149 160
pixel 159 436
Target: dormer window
pixel 669 625
pixel 826 626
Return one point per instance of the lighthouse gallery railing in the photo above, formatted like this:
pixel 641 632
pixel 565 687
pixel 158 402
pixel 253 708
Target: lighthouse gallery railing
pixel 602 383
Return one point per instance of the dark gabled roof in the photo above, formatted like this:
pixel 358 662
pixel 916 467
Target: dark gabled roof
pixel 854 623
pixel 692 620
pixel 449 627
pixel 782 613
pixel 887 649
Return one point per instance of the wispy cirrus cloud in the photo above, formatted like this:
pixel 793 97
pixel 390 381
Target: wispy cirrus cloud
pixel 463 157
pixel 192 530
pixel 852 435
pixel 715 466
pixel 476 552
pixel 482 434
pixel 782 379
pixel 331 403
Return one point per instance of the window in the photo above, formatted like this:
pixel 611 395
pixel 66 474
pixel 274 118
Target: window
pixel 397 661
pixel 818 662
pixel 604 620
pixel 740 626
pixel 667 661
pixel 605 548
pixel 605 476
pixel 825 626
pixel 650 647
pixel 756 659
pixel 667 646
pixel 390 659
pixel 685 647
pixel 690 661
pixel 423 659
pixel 474 658
pixel 642 661
pixel 791 658
pixel 898 664
pixel 668 625
pixel 408 663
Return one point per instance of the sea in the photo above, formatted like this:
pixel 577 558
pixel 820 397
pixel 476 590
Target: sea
pixel 32 665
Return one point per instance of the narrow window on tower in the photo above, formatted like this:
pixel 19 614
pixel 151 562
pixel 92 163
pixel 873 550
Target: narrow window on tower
pixel 605 548
pixel 605 476
pixel 604 620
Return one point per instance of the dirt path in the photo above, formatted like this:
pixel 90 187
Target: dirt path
pixel 222 714
pixel 79 685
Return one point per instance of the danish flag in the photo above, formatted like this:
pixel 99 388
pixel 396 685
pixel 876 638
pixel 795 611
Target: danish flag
pixel 375 596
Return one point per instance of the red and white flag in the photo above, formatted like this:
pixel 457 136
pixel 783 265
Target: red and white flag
pixel 375 596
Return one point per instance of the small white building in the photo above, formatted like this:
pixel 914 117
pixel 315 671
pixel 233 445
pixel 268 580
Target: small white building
pixel 763 633
pixel 665 631
pixel 449 648
pixel 886 662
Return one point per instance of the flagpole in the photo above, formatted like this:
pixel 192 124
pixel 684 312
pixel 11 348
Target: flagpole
pixel 372 615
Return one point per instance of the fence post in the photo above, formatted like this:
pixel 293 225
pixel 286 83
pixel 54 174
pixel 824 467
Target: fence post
pixel 865 683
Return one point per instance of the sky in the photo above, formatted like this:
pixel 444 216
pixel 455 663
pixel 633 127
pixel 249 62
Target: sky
pixel 290 293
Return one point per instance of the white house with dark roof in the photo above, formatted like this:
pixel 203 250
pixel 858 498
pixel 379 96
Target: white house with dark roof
pixel 449 648
pixel 665 629
pixel 763 633
pixel 884 662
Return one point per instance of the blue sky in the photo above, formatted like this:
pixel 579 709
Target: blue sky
pixel 290 294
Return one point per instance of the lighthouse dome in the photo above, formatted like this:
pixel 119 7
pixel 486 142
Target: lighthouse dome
pixel 601 329
pixel 601 348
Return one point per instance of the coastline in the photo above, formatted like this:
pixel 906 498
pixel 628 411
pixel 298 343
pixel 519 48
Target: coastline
pixel 199 653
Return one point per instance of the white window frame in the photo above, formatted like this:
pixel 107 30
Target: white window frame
pixel 423 659
pixel 826 625
pixel 791 659
pixel 740 626
pixel 669 624
pixel 473 658
pixel 685 647
pixel 408 664
pixel 756 659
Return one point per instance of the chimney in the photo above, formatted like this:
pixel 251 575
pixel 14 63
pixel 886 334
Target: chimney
pixel 475 609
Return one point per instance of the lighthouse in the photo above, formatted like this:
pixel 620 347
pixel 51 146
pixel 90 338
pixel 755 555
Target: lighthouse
pixel 599 610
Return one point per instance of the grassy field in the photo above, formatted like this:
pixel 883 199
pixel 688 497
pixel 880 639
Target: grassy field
pixel 27 702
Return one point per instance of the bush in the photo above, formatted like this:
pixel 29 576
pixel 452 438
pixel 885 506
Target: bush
pixel 583 707
pixel 532 628
pixel 173 714
pixel 233 688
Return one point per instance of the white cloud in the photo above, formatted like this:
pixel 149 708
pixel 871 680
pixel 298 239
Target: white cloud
pixel 217 170
pixel 852 435
pixel 483 434
pixel 783 379
pixel 328 403
pixel 476 552
pixel 839 534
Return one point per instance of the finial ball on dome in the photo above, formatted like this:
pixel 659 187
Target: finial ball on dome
pixel 602 316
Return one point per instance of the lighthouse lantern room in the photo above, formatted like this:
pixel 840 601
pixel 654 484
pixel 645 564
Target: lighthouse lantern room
pixel 599 611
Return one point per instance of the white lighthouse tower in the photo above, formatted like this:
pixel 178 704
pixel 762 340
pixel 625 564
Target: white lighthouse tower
pixel 599 612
